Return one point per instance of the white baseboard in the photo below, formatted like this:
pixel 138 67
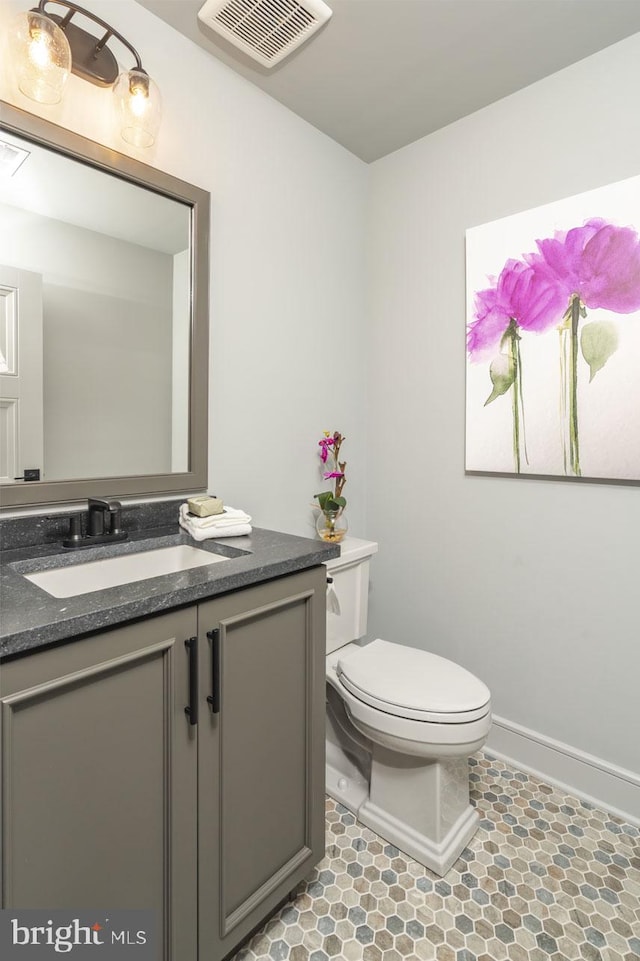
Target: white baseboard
pixel 596 781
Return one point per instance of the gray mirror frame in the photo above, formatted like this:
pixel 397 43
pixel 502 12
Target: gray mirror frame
pixel 34 493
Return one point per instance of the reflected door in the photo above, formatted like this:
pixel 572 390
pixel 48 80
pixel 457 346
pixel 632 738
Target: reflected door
pixel 21 411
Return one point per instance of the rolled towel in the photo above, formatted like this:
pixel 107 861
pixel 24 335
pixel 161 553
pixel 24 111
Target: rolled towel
pixel 203 531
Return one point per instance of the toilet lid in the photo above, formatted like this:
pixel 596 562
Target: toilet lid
pixel 414 684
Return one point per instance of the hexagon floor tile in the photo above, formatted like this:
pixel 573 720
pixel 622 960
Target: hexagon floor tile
pixel 546 876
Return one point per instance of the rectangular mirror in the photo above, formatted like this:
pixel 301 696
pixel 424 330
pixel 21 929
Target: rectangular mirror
pixel 103 321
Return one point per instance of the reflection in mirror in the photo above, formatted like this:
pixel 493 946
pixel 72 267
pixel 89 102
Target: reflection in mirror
pixel 97 368
pixel 99 270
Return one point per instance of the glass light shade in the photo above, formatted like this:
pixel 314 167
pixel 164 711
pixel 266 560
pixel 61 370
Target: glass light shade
pixel 138 105
pixel 41 57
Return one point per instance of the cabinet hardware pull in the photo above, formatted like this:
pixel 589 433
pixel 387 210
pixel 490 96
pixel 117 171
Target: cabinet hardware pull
pixel 214 698
pixel 192 710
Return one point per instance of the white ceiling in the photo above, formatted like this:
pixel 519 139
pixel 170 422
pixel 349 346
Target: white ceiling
pixel 383 73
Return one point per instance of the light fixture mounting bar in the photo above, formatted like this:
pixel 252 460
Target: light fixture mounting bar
pixel 92 59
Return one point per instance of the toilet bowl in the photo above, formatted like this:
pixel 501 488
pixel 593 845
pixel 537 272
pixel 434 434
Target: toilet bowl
pixel 401 724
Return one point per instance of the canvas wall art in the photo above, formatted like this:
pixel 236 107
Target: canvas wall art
pixel 553 339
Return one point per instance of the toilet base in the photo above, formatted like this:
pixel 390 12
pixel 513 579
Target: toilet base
pixel 344 782
pixel 437 856
pixel 421 806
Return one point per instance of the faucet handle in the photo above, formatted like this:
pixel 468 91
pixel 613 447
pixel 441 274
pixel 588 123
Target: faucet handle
pixel 74 537
pixel 75 527
pixel 115 514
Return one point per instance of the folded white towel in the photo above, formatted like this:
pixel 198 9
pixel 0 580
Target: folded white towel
pixel 199 535
pixel 233 523
pixel 230 517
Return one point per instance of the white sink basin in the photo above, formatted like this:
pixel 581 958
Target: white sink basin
pixel 125 569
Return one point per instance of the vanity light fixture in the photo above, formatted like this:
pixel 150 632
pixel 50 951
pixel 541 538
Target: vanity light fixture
pixel 47 46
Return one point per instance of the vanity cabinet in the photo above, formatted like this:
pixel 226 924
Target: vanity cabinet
pixel 112 797
pixel 261 757
pixel 99 777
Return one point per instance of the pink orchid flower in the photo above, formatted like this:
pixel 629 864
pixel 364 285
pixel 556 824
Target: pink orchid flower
pixel 325 444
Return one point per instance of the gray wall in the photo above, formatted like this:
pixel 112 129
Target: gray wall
pixel 531 584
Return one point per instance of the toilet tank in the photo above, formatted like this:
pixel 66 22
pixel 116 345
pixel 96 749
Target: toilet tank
pixel 347 610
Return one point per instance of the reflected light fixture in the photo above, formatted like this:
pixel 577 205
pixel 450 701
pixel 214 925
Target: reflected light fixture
pixel 11 158
pixel 47 46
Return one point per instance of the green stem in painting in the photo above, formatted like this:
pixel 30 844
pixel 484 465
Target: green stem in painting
pixel 519 382
pixel 514 355
pixel 564 388
pixel 574 444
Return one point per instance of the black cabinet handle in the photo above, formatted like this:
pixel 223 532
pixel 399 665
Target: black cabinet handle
pixel 192 710
pixel 214 698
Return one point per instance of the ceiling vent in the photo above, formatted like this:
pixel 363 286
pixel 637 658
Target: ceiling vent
pixel 267 30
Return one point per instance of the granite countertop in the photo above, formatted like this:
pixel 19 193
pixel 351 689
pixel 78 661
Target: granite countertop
pixel 31 618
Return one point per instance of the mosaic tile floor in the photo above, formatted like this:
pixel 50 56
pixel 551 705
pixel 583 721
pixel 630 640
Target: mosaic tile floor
pixel 546 876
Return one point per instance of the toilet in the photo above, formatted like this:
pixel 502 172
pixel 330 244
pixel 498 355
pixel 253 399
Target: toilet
pixel 401 725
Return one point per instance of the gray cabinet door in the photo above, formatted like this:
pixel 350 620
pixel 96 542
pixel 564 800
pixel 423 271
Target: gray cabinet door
pixel 261 758
pixel 99 777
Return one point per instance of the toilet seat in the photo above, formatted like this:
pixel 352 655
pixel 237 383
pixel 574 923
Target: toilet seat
pixel 413 684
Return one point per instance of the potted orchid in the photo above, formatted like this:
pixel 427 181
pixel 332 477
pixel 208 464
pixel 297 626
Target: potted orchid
pixel 331 524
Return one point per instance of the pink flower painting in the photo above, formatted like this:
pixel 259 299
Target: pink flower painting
pixel 554 328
